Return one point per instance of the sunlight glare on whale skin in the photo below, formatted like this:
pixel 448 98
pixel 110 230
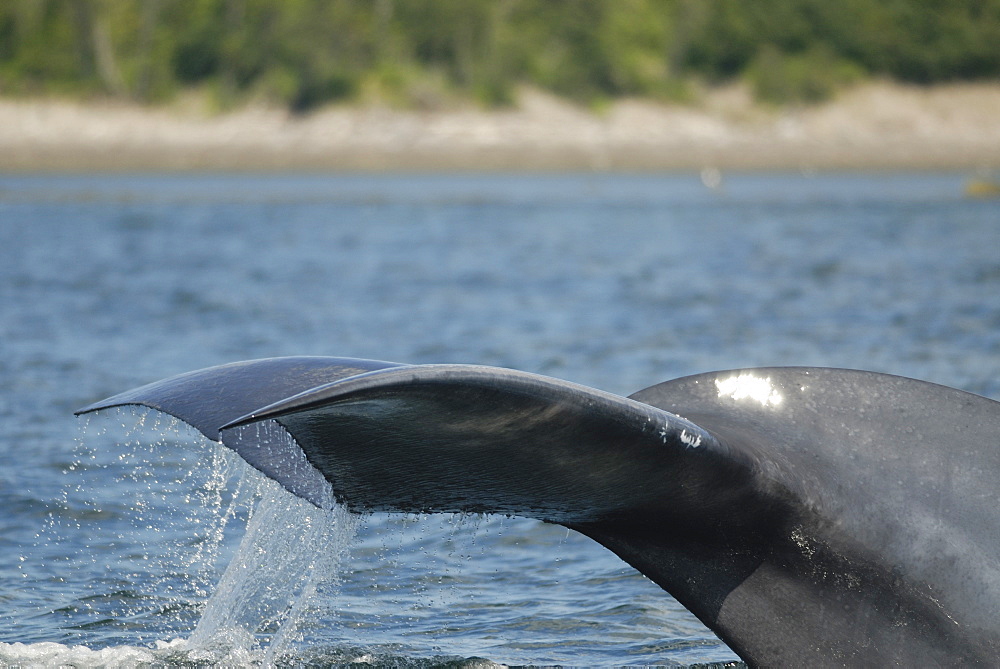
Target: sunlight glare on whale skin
pixel 749 386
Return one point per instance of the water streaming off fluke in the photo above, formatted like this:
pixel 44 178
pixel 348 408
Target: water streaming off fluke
pixel 290 547
pixel 239 602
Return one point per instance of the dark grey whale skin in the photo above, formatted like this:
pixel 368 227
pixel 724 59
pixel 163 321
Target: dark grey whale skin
pixel 209 398
pixel 808 516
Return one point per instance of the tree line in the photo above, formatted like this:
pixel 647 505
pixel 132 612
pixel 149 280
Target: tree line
pixel 427 53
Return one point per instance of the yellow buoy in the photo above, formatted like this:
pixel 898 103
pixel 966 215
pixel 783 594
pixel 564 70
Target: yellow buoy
pixel 982 188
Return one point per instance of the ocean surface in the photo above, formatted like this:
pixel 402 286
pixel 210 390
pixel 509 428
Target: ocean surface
pixel 127 539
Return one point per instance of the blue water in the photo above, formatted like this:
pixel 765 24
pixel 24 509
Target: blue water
pixel 115 531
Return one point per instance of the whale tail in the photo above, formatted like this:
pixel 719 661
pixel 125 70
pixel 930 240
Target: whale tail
pixel 805 515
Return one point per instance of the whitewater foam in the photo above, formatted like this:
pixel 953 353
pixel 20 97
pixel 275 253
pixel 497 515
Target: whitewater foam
pixel 50 654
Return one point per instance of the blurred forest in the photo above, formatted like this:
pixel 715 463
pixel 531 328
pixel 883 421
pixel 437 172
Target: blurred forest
pixel 433 53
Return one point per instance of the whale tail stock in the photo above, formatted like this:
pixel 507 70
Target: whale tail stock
pixel 803 514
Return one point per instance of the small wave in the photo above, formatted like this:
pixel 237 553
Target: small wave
pixel 237 652
pixel 51 654
pixel 231 647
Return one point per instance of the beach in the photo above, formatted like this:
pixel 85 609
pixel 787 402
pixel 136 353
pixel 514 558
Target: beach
pixel 877 126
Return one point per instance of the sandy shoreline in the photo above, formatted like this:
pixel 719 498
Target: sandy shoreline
pixel 875 126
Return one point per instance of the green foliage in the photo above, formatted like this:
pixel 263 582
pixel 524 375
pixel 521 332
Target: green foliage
pixel 425 53
pixel 811 76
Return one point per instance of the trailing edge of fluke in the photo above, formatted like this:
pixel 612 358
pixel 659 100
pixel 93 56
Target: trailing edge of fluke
pixel 808 516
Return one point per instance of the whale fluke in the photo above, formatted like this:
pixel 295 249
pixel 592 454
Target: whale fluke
pixel 808 516
pixel 209 398
pixel 462 438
